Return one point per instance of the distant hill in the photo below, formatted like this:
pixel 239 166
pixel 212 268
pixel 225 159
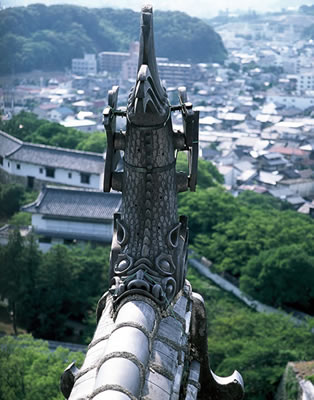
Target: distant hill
pixel 47 38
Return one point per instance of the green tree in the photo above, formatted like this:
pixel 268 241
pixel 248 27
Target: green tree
pixel 55 290
pixel 30 371
pixel 27 127
pixel 207 174
pixel 48 38
pixel 95 142
pixel 281 276
pixel 257 345
pixel 21 219
pixel 22 125
pixel 29 309
pixel 12 273
pixel 54 134
pixel 11 198
pixel 206 208
pixel 262 201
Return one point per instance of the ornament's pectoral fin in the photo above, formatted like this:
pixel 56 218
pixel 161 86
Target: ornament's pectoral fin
pixel 212 387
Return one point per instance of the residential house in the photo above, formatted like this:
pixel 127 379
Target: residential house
pixel 84 125
pixel 288 195
pixel 271 162
pixel 60 113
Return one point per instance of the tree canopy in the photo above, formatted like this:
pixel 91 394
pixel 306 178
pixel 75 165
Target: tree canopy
pixel 257 345
pixel 258 240
pixel 27 127
pixel 29 370
pixel 45 290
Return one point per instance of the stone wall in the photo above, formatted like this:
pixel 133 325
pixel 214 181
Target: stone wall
pixel 296 382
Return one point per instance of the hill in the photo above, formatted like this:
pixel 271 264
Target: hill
pixel 47 38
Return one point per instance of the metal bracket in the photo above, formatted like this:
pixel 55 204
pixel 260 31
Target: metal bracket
pixel 109 120
pixel 190 128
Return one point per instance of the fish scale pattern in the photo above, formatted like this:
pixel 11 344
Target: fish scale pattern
pixel 149 203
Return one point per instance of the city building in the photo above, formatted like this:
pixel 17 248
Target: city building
pixel 73 216
pixel 299 101
pixel 178 74
pixel 305 81
pixel 84 66
pixel 111 61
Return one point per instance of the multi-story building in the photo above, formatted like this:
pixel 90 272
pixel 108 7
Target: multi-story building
pixel 111 61
pixel 305 81
pixel 177 74
pixel 130 65
pixel 84 66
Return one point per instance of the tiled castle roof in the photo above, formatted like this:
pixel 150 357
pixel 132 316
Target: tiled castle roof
pixel 75 203
pixel 50 156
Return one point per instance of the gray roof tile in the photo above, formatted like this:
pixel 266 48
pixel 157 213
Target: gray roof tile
pixel 49 156
pixel 8 144
pixel 75 203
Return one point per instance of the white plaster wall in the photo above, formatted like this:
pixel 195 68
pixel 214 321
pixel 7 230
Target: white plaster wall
pixel 7 165
pixel 61 175
pixel 73 227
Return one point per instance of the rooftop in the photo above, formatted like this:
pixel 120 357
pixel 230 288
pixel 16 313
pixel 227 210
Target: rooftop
pixel 288 151
pixel 50 156
pixel 8 143
pixel 75 203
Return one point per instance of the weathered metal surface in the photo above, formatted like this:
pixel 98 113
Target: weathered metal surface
pixel 151 338
pixel 150 241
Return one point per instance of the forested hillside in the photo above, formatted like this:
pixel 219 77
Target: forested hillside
pixel 47 38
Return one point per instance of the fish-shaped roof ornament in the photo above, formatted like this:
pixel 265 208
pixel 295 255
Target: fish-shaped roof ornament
pixel 151 340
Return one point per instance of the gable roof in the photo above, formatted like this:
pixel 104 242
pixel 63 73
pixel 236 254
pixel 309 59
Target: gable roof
pixel 57 201
pixel 50 156
pixel 57 157
pixel 8 144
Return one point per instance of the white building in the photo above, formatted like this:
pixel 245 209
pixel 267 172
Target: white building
pixel 111 61
pixel 84 66
pixel 178 74
pixel 305 81
pixel 130 65
pixel 34 164
pixel 70 215
pixel 301 102
pixel 83 125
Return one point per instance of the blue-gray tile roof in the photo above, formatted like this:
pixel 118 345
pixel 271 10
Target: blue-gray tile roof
pixel 50 156
pixel 8 144
pixel 75 203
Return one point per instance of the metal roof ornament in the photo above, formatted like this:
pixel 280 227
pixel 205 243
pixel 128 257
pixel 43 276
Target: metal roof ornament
pixel 151 340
